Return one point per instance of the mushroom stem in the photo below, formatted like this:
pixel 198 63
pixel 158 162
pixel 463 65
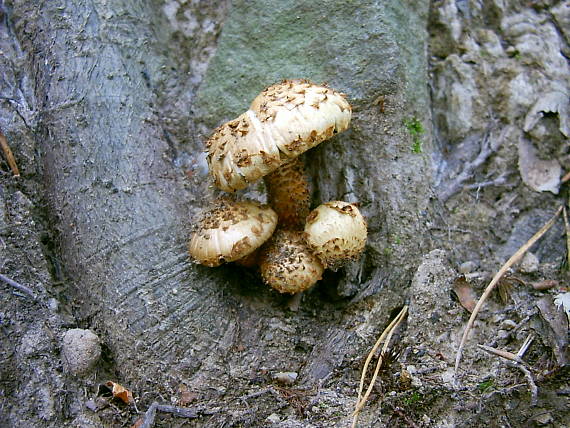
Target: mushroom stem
pixel 288 194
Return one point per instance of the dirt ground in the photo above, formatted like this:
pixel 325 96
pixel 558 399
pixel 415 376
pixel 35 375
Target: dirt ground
pixel 499 78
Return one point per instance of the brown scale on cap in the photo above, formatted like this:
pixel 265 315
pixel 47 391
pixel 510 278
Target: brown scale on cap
pixel 336 232
pixel 287 264
pixel 289 195
pixel 229 231
pixel 284 121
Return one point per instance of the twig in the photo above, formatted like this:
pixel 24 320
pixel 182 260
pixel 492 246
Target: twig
pixel 525 345
pixel 9 155
pixel 565 178
pixel 469 167
pixel 181 412
pixel 516 361
pixel 514 258
pixel 18 286
pixel 387 333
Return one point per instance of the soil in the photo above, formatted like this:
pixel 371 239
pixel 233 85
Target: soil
pixel 499 130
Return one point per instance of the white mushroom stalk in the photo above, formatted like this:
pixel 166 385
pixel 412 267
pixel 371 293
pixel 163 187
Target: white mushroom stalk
pixel 229 231
pixel 336 231
pixel 284 121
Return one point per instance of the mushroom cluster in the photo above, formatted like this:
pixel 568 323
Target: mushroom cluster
pixel 283 122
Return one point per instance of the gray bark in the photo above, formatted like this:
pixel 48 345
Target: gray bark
pixel 121 108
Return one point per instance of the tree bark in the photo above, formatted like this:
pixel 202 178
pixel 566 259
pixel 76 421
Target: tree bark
pixel 124 108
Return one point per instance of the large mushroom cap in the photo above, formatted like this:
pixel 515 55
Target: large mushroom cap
pixel 336 232
pixel 229 231
pixel 283 121
pixel 287 264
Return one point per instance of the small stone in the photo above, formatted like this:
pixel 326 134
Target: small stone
pixel 286 378
pixel 502 334
pixel 529 263
pixel 544 419
pixel 80 349
pixel 273 418
pixel 467 267
pixel 508 325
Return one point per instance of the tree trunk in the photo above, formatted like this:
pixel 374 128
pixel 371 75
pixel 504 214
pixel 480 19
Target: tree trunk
pixel 123 107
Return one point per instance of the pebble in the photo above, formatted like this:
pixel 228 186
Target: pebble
pixel 80 349
pixel 285 378
pixel 273 418
pixel 467 267
pixel 544 419
pixel 508 324
pixel 529 263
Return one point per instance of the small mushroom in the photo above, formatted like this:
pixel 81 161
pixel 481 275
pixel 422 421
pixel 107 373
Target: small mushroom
pixel 284 121
pixel 336 232
pixel 287 264
pixel 229 231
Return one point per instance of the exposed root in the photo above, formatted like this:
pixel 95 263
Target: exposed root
pixel 18 286
pixel 9 155
pixel 448 189
pixel 181 412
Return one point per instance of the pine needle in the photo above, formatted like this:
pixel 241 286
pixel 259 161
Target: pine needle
pixel 386 334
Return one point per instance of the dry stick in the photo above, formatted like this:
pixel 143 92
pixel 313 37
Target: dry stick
pixel 514 258
pixel 9 155
pixel 18 286
pixel 387 333
pixel 181 412
pixel 517 362
pixel 565 178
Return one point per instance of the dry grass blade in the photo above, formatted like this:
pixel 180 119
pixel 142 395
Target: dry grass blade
pixel 9 155
pixel 514 258
pixel 387 335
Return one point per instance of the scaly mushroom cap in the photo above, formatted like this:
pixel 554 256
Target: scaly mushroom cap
pixel 231 230
pixel 283 121
pixel 336 232
pixel 287 264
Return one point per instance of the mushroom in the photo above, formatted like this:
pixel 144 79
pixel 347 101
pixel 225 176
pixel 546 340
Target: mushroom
pixel 230 231
pixel 289 195
pixel 336 232
pixel 287 264
pixel 283 121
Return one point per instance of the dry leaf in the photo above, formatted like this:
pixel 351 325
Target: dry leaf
pixel 540 175
pixel 552 102
pixel 464 293
pixel 138 423
pixel 555 328
pixel 545 285
pixel 120 392
pixel 186 396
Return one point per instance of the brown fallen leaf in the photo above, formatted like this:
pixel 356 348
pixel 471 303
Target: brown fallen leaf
pixel 554 329
pixel 547 284
pixel 464 293
pixel 120 392
pixel 138 423
pixel 186 396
